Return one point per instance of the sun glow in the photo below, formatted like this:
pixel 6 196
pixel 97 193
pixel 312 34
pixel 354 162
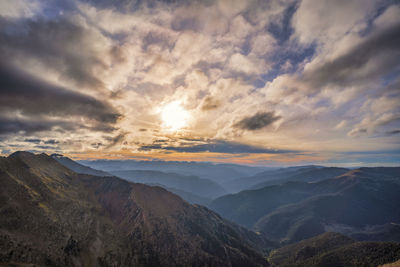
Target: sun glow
pixel 174 116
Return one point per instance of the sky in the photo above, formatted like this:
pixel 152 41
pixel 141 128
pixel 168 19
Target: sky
pixel 279 82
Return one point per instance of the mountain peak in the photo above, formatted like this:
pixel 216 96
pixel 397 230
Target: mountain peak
pixel 19 154
pixel 27 155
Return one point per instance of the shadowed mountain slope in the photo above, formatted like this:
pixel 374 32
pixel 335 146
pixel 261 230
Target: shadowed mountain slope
pixel 76 167
pixel 50 215
pixel 191 184
pixel 155 178
pixel 280 176
pixel 360 201
pixel 336 250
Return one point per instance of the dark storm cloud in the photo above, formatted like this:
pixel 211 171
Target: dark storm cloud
pixel 58 44
pixel 10 125
pixel 219 146
pixel 32 140
pixel 51 142
pixel 257 121
pixel 394 132
pixel 26 94
pixel 384 45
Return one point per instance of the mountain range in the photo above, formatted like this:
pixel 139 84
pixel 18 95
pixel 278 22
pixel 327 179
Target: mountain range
pixel 359 202
pixel 191 184
pixel 191 188
pixel 218 173
pixel 52 216
pixel 310 173
pixel 57 212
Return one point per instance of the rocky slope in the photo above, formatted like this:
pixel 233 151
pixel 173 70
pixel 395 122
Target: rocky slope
pixel 50 215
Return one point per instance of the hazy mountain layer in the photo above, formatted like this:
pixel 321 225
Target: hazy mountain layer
pixel 312 174
pixel 191 184
pixel 216 172
pixel 154 179
pixel 280 176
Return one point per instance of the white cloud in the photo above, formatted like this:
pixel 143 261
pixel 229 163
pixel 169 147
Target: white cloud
pixel 327 21
pixel 19 8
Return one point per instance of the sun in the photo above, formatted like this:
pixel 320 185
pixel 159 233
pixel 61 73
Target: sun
pixel 174 116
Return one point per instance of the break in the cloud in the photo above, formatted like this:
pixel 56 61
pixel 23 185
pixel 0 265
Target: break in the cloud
pixel 246 78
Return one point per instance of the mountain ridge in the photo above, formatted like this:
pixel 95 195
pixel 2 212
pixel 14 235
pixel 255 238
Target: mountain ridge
pixel 296 210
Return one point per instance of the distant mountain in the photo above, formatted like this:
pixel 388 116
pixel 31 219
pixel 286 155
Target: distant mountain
pixel 76 167
pixel 311 174
pixel 354 203
pixel 335 250
pixel 247 207
pixel 52 216
pixel 387 232
pixel 279 176
pixel 361 200
pixel 191 184
pixel 189 197
pixel 153 178
pixel 216 172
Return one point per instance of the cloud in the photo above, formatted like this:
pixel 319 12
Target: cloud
pixel 51 142
pixel 375 56
pixel 356 132
pixel 19 8
pixel 115 140
pixel 24 93
pixel 239 63
pixel 210 103
pixel 33 140
pixel 325 21
pixel 371 123
pixel 74 53
pixel 29 126
pixel 217 146
pixel 393 132
pixel 257 121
